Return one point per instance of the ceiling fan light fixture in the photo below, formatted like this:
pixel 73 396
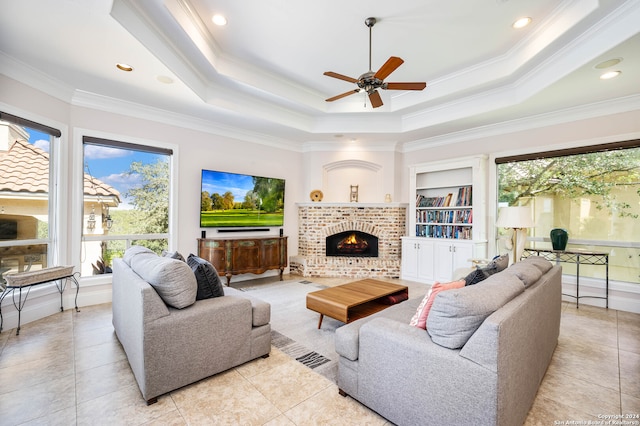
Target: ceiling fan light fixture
pixel 370 81
pixel 610 74
pixel 522 22
pixel 219 20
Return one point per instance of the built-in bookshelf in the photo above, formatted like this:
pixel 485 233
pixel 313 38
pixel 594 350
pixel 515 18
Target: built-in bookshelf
pixel 448 225
pixel 445 216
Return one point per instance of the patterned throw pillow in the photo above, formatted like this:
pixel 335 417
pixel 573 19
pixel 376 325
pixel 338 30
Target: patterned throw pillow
pixel 475 277
pixel 420 318
pixel 497 264
pixel 209 284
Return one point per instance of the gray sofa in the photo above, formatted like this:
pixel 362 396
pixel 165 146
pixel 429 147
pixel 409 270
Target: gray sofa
pixel 168 348
pixel 495 341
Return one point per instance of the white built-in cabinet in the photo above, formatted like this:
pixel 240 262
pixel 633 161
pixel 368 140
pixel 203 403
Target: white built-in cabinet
pixel 417 259
pixel 447 223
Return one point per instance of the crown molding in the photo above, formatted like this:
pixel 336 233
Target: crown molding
pixel 145 112
pixel 597 109
pixel 34 78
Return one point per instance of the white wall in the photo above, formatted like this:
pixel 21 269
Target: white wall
pixel 333 172
pixel 379 172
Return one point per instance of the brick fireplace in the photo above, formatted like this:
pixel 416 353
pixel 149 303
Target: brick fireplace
pixel 318 222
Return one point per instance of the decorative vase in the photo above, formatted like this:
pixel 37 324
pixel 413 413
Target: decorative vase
pixel 559 238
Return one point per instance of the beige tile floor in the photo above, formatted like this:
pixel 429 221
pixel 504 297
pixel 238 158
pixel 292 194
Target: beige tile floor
pixel 70 369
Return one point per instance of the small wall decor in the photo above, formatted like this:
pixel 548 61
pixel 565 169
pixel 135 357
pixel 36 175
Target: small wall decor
pixel 387 198
pixel 354 194
pixel 316 195
pixel 559 238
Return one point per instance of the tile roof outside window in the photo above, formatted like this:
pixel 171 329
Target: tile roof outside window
pixel 25 168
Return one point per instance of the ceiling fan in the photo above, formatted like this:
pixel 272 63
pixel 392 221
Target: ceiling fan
pixel 371 81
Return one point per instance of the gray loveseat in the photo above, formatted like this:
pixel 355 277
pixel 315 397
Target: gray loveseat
pixel 168 348
pixel 484 370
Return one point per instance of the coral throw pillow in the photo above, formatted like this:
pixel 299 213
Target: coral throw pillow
pixel 420 318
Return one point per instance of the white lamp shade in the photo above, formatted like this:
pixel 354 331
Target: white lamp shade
pixel 515 217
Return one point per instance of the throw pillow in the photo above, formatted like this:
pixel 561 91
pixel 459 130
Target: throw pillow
pixel 173 255
pixel 420 318
pixel 209 284
pixel 475 277
pixel 458 313
pixel 497 264
pixel 172 279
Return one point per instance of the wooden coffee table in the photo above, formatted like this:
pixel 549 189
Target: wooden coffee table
pixel 349 302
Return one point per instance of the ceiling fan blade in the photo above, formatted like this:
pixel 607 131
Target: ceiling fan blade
pixel 388 67
pixel 350 92
pixel 375 99
pixel 340 76
pixel 404 86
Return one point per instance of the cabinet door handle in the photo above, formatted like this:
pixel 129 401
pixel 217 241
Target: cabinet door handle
pixel 454 248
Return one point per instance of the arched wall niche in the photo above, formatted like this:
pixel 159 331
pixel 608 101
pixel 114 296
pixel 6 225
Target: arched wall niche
pixel 338 176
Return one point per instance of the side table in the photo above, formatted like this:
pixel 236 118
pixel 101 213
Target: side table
pixel 578 257
pixel 21 280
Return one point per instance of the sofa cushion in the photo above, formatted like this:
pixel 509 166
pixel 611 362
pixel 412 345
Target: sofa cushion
pixel 527 272
pixel 209 284
pixel 171 278
pixel 539 262
pixel 456 314
pixel 419 319
pixel 134 251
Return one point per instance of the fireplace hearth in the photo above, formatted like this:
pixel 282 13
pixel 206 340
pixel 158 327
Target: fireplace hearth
pixel 352 243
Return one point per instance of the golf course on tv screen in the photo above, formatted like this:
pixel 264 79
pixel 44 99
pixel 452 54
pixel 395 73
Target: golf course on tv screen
pixel 238 200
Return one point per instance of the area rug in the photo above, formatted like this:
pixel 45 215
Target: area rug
pixel 295 328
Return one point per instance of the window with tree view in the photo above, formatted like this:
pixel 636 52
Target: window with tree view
pixel 594 196
pixel 126 201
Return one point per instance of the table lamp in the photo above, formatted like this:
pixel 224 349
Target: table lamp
pixel 518 218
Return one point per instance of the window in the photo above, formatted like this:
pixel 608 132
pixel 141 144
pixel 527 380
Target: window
pixel 592 192
pixel 26 194
pixel 126 201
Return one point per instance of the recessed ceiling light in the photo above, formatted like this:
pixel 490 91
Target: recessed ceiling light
pixel 164 79
pixel 608 63
pixel 610 74
pixel 522 22
pixel 124 67
pixel 219 20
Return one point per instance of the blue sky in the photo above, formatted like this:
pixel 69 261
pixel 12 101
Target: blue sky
pixel 220 182
pixel 106 164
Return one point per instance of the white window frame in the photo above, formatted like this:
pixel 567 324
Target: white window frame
pixel 78 197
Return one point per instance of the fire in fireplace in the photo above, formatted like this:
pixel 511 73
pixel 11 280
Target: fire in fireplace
pixel 352 243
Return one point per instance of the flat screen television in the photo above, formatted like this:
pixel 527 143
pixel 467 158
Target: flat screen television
pixel 240 201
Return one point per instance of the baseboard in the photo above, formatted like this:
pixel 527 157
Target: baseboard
pixel 45 301
pixel 622 296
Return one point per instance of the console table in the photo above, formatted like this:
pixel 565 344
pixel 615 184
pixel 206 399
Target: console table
pixel 21 280
pixel 242 255
pixel 578 257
